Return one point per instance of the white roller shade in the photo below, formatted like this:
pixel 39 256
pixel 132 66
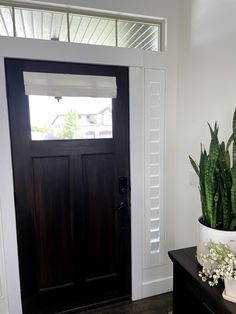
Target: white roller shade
pixel 54 84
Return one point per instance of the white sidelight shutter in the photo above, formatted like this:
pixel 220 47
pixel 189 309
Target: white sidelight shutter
pixel 154 152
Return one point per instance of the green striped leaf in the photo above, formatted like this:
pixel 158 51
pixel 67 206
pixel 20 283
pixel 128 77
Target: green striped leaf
pixel 233 190
pixel 194 165
pixel 234 138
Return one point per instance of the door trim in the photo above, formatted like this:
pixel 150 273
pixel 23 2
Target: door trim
pixel 13 297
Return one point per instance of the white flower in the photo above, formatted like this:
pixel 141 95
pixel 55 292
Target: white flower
pixel 221 263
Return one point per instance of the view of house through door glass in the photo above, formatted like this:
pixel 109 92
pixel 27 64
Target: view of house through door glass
pixel 54 118
pixel 69 126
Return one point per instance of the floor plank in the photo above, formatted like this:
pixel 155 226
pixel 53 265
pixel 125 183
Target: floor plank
pixel 160 304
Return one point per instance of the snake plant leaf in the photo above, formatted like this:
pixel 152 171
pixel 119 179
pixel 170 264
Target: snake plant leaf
pixel 202 166
pixel 194 165
pixel 227 159
pixel 214 148
pixel 209 191
pixel 225 210
pixel 234 138
pixel 211 130
pixel 216 129
pixel 233 224
pixel 225 184
pixel 208 181
pixel 224 165
pixel 230 140
pixel 214 132
pixel 233 190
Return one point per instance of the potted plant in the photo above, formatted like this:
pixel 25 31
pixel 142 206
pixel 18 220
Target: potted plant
pixel 220 264
pixel 217 186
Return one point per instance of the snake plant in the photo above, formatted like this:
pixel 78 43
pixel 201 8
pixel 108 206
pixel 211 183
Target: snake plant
pixel 217 181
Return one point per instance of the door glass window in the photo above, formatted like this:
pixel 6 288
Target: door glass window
pixel 66 118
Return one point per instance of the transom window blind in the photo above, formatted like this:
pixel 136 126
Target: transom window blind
pixel 54 84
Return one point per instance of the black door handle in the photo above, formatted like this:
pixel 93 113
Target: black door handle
pixel 122 205
pixel 123 185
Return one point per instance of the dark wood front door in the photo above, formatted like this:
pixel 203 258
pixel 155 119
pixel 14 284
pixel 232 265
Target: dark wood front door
pixel 72 202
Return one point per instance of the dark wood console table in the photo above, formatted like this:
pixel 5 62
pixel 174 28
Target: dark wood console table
pixel 190 293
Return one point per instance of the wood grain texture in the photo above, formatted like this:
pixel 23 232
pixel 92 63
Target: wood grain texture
pixel 99 213
pixel 53 221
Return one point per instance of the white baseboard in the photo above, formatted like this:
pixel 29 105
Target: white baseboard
pixel 155 287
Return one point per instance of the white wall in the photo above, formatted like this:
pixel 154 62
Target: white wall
pixel 207 92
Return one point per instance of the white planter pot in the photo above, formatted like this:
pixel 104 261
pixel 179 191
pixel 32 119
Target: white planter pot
pixel 205 234
pixel 230 290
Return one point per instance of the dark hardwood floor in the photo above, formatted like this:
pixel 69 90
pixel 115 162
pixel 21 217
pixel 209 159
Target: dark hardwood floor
pixel 160 304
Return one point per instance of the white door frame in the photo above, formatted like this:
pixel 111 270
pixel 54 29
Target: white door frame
pixel 65 52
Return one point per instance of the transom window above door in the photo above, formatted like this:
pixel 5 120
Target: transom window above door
pixel 85 27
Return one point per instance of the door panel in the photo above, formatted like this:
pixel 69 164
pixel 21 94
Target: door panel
pixel 98 187
pixel 53 221
pixel 73 221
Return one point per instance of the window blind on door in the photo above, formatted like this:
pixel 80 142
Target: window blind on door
pixel 154 150
pixel 57 84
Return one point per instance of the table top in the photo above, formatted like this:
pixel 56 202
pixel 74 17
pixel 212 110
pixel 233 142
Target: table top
pixel 186 260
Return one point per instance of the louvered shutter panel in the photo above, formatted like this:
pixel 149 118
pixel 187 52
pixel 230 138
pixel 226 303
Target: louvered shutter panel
pixel 154 149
